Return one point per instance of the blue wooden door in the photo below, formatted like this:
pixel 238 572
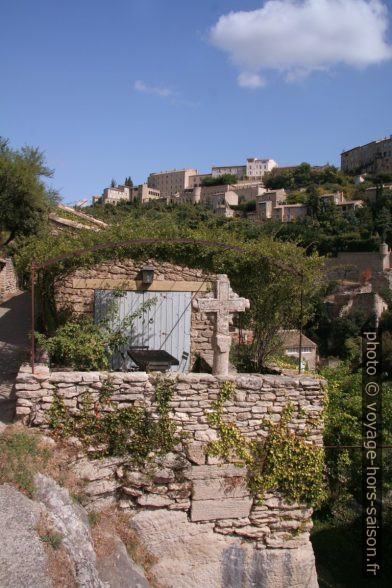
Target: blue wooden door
pixel 162 320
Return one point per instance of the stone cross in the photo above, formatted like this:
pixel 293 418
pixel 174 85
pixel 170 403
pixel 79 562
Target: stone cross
pixel 225 303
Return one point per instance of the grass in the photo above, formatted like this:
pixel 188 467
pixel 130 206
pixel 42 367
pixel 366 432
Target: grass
pixel 21 457
pixel 55 540
pixel 24 453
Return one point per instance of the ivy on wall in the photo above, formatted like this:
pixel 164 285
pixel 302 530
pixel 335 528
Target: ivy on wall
pixel 281 462
pixel 130 431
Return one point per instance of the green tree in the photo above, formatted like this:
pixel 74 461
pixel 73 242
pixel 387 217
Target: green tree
pixel 128 182
pixel 383 222
pixel 113 183
pixel 220 180
pixel 24 198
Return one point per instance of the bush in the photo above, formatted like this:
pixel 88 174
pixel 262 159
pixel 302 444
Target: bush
pixel 79 345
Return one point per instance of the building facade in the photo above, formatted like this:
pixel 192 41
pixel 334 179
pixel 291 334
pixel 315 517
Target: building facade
pixel 234 170
pixel 256 168
pixel 115 195
pixel 292 341
pixel 373 157
pixel 172 181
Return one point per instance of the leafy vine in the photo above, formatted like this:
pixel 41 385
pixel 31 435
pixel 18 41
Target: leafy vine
pixel 281 462
pixel 130 431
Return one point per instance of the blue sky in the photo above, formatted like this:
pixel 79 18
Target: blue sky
pixel 111 89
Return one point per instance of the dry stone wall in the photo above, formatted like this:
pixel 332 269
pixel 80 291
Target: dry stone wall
pixel 209 492
pixel 8 278
pixel 80 300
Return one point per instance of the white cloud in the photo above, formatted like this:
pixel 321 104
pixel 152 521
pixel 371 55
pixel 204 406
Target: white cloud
pixel 143 87
pixel 250 80
pixel 297 37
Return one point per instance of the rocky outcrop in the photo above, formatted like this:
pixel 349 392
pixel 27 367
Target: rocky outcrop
pixel 23 560
pixel 191 555
pixel 187 489
pixel 22 556
pixel 71 521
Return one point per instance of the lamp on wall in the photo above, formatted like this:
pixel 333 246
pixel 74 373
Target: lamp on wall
pixel 148 274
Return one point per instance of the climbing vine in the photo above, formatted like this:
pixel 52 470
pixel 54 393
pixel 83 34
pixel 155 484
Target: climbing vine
pixel 113 431
pixel 281 462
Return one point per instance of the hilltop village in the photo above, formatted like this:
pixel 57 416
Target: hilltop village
pixel 262 190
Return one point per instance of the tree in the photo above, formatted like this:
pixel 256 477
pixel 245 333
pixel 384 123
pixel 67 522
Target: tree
pixel 24 198
pixel 220 180
pixel 383 222
pixel 128 182
pixel 113 183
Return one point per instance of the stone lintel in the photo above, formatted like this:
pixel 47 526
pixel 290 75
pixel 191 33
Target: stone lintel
pixel 222 508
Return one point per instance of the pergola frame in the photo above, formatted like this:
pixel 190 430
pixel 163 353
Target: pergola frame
pixel 35 267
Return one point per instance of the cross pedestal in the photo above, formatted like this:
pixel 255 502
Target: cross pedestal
pixel 223 306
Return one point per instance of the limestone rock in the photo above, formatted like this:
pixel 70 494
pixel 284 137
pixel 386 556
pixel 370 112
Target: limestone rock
pixel 22 556
pixel 71 521
pixel 155 500
pixel 118 570
pixel 192 555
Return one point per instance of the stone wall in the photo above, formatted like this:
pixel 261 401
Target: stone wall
pixel 71 293
pixel 186 480
pixel 8 278
pixel 349 265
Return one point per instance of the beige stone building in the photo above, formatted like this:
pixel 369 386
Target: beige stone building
pixel 144 193
pixel 172 181
pixel 218 198
pixel 291 346
pixel 253 168
pixel 127 193
pixel 286 213
pixel 256 168
pixel 235 170
pixel 116 194
pixel 373 157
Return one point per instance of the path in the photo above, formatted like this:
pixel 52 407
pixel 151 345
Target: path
pixel 14 341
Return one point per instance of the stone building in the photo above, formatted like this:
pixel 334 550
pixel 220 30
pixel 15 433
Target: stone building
pixel 177 310
pixel 363 277
pixel 254 168
pixel 291 344
pixel 373 157
pixel 170 182
pixel 285 213
pixel 143 193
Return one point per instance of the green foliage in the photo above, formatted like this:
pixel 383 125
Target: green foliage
pixel 84 345
pixel 220 180
pixel 130 431
pixel 80 345
pixel 272 268
pixel 20 459
pixel 243 357
pixel 55 540
pixel 343 427
pixel 303 175
pixel 24 198
pixel 281 462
